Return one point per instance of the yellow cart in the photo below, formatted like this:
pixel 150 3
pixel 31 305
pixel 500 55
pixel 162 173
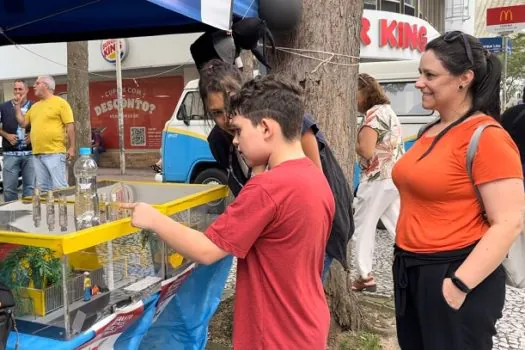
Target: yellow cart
pixel 112 252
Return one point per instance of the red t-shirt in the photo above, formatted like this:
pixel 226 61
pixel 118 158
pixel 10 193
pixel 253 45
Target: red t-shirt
pixel 277 228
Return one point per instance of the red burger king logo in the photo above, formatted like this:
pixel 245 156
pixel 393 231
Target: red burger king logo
pixel 108 49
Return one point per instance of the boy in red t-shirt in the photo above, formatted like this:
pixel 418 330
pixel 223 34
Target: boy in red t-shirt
pixel 277 227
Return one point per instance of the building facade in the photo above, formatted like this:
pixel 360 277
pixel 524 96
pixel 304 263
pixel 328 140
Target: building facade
pixel 155 70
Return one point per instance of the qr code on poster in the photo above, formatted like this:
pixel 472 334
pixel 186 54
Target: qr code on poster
pixel 138 136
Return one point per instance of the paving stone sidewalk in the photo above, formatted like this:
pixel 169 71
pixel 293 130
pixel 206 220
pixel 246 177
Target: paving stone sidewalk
pixel 510 328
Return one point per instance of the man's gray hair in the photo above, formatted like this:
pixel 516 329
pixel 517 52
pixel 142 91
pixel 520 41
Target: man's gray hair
pixel 49 81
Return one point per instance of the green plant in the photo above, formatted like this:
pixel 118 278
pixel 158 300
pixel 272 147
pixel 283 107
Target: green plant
pixel 359 341
pixel 30 264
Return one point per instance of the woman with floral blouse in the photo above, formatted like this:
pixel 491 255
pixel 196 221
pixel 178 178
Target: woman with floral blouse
pixel 379 146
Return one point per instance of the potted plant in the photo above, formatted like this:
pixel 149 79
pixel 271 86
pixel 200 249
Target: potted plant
pixel 28 271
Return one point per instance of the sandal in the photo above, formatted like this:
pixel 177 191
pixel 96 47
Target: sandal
pixel 364 284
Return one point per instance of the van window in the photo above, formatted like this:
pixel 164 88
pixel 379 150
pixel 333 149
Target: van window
pixel 194 106
pixel 405 99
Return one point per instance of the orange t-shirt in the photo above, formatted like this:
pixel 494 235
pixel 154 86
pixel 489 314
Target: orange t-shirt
pixel 439 208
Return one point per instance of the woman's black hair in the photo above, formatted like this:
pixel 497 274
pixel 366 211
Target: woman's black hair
pixel 460 52
pixel 219 76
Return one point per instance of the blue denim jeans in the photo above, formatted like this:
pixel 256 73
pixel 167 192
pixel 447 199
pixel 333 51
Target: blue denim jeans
pixel 13 166
pixel 50 171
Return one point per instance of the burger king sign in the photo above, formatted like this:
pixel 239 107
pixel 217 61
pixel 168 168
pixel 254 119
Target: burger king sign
pixel 108 49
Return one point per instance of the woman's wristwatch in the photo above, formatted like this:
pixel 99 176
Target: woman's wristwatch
pixel 460 284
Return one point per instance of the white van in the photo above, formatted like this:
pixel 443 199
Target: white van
pixel 185 151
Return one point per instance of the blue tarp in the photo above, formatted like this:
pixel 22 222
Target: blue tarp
pixel 184 322
pixel 35 21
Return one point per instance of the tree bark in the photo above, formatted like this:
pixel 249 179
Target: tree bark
pixel 330 91
pixel 78 95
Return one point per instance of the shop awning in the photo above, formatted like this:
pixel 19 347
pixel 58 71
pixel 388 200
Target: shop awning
pixel 37 21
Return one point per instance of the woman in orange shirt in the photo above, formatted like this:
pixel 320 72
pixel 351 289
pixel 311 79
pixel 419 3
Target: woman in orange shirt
pixel 449 283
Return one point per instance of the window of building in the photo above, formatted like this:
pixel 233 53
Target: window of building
pixel 405 99
pixel 371 4
pixel 391 5
pixel 410 7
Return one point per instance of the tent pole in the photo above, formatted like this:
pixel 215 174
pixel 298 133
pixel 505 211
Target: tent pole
pixel 120 109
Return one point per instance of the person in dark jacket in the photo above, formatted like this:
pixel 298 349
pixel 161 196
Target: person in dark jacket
pixel 220 80
pixel 16 146
pixel 513 120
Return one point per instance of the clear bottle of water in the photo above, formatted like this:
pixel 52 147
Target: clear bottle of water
pixel 50 211
pixel 37 208
pixel 86 199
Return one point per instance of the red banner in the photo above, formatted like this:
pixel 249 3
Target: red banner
pixel 148 104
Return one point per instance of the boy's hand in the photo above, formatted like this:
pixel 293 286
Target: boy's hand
pixel 143 216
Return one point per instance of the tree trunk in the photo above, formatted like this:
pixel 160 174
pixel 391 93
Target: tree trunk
pixel 248 64
pixel 330 91
pixel 78 95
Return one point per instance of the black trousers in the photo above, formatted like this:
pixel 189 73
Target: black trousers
pixel 424 319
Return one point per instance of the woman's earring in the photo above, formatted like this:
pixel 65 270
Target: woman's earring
pixel 461 87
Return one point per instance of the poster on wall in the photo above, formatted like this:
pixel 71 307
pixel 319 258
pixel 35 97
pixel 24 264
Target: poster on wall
pixel 148 104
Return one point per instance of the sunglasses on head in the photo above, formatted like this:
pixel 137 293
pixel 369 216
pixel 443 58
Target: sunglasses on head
pixel 363 80
pixel 450 37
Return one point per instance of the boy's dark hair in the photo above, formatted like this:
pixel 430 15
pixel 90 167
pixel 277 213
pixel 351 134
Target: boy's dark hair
pixel 460 52
pixel 219 76
pixel 373 92
pixel 273 97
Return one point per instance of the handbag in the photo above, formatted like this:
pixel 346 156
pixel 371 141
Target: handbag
pixel 514 263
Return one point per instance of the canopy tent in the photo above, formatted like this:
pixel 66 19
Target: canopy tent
pixel 35 21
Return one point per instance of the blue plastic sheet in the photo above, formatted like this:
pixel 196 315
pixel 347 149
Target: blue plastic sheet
pixel 33 342
pixel 184 323
pixel 132 337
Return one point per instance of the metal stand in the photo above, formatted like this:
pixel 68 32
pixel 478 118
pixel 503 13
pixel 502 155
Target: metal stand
pixel 67 323
pixel 504 73
pixel 120 109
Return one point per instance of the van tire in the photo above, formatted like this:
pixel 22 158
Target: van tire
pixel 213 176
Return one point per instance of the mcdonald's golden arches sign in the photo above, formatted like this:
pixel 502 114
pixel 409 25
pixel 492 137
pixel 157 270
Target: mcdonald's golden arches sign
pixel 506 19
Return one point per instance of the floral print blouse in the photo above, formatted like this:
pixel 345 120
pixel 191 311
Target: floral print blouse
pixel 389 146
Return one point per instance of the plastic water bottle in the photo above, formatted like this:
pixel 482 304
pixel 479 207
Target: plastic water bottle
pixel 62 212
pixel 50 211
pixel 37 208
pixel 86 199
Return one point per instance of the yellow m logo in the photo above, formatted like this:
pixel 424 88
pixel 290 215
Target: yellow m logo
pixel 505 16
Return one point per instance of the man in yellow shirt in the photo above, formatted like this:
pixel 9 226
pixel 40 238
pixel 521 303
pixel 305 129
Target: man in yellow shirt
pixel 48 118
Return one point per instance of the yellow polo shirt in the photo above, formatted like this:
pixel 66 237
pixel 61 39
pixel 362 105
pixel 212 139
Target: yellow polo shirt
pixel 48 119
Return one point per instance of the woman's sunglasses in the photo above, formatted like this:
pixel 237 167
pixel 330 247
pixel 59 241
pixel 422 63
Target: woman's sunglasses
pixel 450 37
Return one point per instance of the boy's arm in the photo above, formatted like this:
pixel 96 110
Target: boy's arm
pixel 186 241
pixel 232 233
